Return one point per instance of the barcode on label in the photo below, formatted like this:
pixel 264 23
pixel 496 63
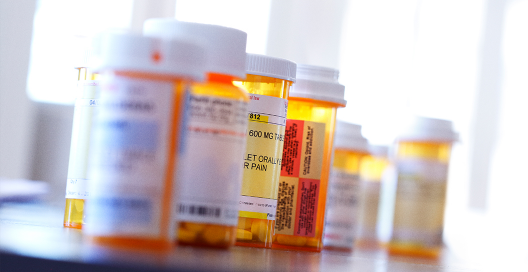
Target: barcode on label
pixel 200 210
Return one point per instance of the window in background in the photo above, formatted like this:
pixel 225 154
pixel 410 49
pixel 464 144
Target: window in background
pixel 409 57
pixel 251 17
pixel 61 31
pixel 376 57
pixel 507 184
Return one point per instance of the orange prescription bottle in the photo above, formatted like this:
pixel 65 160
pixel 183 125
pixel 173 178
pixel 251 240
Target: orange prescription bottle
pixel 268 81
pixel 210 172
pixel 76 183
pixel 342 205
pixel 137 138
pixel 306 158
pixel 372 173
pixel 422 159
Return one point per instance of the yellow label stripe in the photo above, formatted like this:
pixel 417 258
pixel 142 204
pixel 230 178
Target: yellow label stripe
pixel 256 215
pixel 261 118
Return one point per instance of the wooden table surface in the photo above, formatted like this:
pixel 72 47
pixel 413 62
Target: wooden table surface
pixel 32 239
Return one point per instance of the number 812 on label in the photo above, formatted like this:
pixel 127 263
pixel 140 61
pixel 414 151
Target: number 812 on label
pixel 254 116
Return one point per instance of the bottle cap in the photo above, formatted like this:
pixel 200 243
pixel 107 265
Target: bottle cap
pixel 349 136
pixel 262 65
pixel 420 128
pixel 318 83
pixel 132 52
pixel 226 47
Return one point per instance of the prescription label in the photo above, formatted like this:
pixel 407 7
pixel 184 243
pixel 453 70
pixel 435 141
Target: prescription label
pixel 77 188
pixel 299 184
pixel 132 136
pixel 85 106
pixel 263 156
pixel 210 172
pixel 297 206
pixel 302 154
pixel 341 208
pixel 420 201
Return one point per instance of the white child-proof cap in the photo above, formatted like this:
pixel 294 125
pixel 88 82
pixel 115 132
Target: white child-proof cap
pixel 420 128
pixel 136 53
pixel 226 47
pixel 262 65
pixel 318 83
pixel 348 136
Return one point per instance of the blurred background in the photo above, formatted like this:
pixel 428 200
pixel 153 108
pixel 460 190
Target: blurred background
pixel 461 60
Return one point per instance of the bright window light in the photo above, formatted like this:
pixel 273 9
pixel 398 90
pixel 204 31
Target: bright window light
pixel 445 63
pixel 251 17
pixel 61 31
pixel 507 194
pixel 405 57
pixel 376 54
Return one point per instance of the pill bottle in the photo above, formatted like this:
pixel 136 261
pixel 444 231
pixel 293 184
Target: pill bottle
pixel 136 139
pixel 342 204
pixel 422 158
pixel 372 172
pixel 210 175
pixel 83 113
pixel 268 82
pixel 306 158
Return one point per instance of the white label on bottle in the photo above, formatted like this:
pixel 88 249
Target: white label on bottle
pixel 368 211
pixel 210 171
pixel 420 202
pixel 131 150
pixel 84 112
pixel 262 159
pixel 77 188
pixel 341 209
pixel 86 102
pixel 263 208
pixel 274 109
